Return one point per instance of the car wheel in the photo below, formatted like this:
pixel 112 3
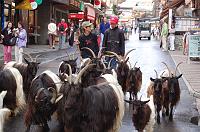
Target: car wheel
pixel 139 38
pixel 149 38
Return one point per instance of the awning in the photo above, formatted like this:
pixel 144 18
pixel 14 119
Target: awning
pixel 75 16
pixel 172 5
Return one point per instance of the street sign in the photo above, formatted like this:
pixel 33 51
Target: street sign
pixel 194 46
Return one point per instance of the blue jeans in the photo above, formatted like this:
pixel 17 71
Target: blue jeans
pixel 112 62
pixel 62 38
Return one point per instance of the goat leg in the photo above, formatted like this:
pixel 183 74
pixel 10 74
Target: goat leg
pixel 158 116
pixel 46 128
pixel 130 98
pixel 28 128
pixel 171 113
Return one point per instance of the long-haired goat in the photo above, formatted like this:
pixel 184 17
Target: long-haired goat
pixel 4 112
pixel 134 81
pixel 42 99
pixel 72 61
pixel 143 114
pixel 11 81
pixel 28 71
pixel 156 89
pixel 172 91
pixel 97 108
pixel 122 69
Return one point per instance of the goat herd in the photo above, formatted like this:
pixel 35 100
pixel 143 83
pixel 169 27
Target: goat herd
pixel 85 99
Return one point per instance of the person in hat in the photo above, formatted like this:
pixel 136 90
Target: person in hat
pixel 88 39
pixel 114 40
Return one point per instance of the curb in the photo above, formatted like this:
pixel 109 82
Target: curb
pixel 192 92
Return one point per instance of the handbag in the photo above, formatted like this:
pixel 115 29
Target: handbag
pixel 12 41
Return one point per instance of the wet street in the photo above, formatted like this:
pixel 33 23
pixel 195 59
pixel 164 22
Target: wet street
pixel 148 56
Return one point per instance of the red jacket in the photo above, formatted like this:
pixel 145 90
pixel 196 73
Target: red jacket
pixel 64 24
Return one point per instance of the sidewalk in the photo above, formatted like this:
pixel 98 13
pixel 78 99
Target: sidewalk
pixel 191 75
pixel 34 49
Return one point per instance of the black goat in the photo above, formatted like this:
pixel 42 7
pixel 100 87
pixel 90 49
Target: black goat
pixel 134 81
pixel 97 108
pixel 28 71
pixel 122 69
pixel 172 92
pixel 42 99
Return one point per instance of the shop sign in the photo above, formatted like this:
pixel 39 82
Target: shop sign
pixel 97 4
pixel 75 16
pixel 194 46
pixel 90 13
pixel 75 3
pixel 82 6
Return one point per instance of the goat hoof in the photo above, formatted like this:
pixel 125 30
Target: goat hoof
pixel 163 114
pixel 158 121
pixel 170 118
pixel 167 113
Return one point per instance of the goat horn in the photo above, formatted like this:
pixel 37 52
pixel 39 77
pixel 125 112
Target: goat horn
pixel 59 98
pixel 110 63
pixel 110 52
pixel 167 68
pixel 93 54
pixel 104 66
pixel 70 74
pixel 135 64
pixel 37 57
pixel 177 67
pixel 38 93
pixel 82 71
pixel 53 99
pixel 128 53
pixel 140 97
pixel 129 64
pixel 156 73
pixel 28 55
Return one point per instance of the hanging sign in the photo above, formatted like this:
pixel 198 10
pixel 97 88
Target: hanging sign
pixel 97 4
pixel 34 5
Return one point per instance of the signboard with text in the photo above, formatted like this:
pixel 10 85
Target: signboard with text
pixel 194 46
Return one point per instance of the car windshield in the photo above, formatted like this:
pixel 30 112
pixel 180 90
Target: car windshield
pixel 144 26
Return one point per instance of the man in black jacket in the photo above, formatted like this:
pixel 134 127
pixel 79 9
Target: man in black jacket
pixel 114 40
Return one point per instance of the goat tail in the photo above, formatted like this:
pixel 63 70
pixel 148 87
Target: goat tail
pixel 4 114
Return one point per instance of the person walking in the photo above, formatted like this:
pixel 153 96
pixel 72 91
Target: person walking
pixel 88 39
pixel 52 33
pixel 62 30
pixel 114 40
pixel 21 42
pixel 104 25
pixel 164 34
pixel 7 33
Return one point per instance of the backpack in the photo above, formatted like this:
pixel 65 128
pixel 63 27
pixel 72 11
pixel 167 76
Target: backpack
pixel 61 28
